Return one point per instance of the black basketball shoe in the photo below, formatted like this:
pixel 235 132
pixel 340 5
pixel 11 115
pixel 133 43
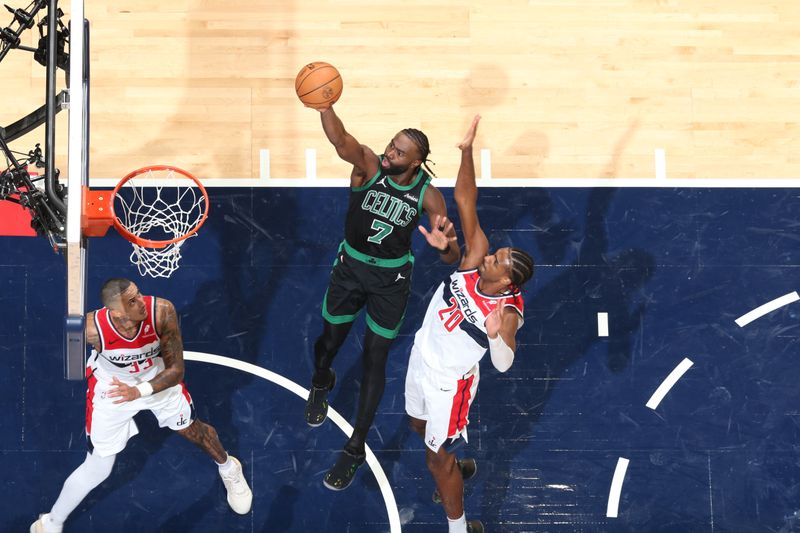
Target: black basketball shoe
pixel 474 526
pixel 341 475
pixel 317 404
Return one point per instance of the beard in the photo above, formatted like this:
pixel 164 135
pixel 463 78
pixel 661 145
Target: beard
pixel 394 170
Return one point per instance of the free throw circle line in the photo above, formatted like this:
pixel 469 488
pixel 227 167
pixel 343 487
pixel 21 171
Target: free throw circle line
pixel 336 418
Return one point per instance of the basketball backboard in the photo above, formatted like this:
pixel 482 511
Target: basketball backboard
pixel 78 180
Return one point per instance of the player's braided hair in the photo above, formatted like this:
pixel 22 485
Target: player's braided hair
pixel 421 140
pixel 521 267
pixel 111 290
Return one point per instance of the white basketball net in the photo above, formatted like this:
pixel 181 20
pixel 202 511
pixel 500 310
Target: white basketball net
pixel 159 212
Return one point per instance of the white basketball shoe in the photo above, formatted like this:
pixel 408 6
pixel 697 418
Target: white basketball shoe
pixel 240 497
pixel 38 526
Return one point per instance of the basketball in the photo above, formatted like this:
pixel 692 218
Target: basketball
pixel 318 83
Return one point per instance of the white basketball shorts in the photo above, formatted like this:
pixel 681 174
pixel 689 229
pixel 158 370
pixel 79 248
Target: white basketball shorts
pixel 110 425
pixel 442 401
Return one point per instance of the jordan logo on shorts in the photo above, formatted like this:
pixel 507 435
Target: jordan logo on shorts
pixel 399 276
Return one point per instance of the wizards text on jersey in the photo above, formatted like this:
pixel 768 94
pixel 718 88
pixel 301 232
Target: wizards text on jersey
pixel 463 301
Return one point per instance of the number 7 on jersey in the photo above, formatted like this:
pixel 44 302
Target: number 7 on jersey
pixel 383 230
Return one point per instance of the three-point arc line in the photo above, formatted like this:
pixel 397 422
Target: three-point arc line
pixel 616 487
pixel 768 307
pixel 662 390
pixel 372 461
pixel 622 463
pixel 668 383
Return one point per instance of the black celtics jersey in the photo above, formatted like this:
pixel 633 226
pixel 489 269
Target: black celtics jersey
pixel 382 216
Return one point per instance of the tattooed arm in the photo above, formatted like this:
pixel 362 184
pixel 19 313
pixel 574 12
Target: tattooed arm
pixel 171 346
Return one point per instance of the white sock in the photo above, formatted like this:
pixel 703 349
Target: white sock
pixel 459 525
pixel 225 467
pixel 93 471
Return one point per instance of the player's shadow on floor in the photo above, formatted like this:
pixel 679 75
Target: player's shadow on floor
pixel 560 329
pixel 193 518
pixel 280 516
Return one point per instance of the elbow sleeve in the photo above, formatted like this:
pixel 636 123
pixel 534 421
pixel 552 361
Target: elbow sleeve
pixel 502 355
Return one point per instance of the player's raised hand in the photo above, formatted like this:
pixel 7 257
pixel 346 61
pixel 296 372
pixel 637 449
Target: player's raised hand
pixel 438 236
pixel 319 107
pixel 466 143
pixel 495 318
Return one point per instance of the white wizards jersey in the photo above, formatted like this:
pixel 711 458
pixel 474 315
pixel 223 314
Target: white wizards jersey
pixel 131 360
pixel 453 335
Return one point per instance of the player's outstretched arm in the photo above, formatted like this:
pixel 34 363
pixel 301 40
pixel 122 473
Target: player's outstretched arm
pixel 466 196
pixel 365 162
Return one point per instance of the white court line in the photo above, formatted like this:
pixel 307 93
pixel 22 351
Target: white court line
pixel 661 164
pixel 486 164
pixel 668 383
pixel 263 164
pixel 372 461
pixel 565 183
pixel 311 164
pixel 602 324
pixel 616 487
pixel 768 307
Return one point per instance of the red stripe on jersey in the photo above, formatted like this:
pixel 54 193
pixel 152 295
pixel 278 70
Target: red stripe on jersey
pixel 515 300
pixel 460 409
pixel 185 392
pixel 92 382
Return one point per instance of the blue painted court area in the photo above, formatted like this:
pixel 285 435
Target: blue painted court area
pixel 673 268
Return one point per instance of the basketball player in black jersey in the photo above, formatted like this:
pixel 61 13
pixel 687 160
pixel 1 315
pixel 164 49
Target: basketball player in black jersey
pixel 388 194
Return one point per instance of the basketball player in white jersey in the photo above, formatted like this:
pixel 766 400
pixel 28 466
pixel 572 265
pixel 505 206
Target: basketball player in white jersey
pixel 136 364
pixel 477 308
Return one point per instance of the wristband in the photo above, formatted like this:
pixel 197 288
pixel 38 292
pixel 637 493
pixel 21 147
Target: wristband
pixel 145 389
